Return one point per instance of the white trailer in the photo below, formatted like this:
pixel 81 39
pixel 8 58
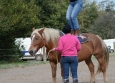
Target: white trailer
pixel 24 44
pixel 110 44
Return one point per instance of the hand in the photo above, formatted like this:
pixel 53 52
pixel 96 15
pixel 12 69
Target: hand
pixel 53 49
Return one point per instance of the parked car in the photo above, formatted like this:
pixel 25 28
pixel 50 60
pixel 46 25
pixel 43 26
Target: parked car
pixel 27 56
pixel 110 50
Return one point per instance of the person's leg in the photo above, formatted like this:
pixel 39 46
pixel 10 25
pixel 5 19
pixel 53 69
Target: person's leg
pixel 77 8
pixel 65 69
pixel 68 17
pixel 74 67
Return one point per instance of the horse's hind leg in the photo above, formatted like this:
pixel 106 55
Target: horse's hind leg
pixel 91 68
pixel 102 67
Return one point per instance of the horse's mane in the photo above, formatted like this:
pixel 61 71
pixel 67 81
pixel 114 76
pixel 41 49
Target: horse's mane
pixel 48 34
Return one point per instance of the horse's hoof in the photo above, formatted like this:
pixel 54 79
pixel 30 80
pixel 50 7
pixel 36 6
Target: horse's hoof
pixel 106 82
pixel 92 81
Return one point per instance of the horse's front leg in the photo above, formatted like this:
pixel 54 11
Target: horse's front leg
pixel 54 68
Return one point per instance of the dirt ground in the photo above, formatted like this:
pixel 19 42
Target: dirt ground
pixel 42 74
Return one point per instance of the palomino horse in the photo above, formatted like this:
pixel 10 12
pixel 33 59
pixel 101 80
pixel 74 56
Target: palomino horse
pixel 49 37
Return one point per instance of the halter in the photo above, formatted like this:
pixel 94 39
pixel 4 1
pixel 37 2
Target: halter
pixel 42 39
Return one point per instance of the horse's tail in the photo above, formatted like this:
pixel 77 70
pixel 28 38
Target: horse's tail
pixel 105 55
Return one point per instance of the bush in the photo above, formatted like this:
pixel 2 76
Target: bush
pixel 10 55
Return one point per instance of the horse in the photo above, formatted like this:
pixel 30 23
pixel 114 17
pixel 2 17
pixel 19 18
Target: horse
pixel 49 38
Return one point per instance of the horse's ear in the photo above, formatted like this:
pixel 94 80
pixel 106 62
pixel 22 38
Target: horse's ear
pixel 33 29
pixel 41 31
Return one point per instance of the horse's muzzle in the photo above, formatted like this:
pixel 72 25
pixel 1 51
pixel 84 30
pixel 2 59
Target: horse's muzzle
pixel 32 53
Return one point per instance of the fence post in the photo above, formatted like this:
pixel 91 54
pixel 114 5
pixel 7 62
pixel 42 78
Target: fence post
pixel 114 46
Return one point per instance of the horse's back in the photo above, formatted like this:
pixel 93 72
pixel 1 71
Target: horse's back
pixel 95 39
pixel 93 46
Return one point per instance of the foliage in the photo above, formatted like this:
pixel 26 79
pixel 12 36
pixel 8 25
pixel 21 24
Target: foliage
pixel 52 13
pixel 87 16
pixel 17 17
pixel 104 26
pixel 10 55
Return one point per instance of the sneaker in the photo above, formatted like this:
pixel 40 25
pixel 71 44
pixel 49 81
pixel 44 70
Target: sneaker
pixel 75 80
pixel 66 80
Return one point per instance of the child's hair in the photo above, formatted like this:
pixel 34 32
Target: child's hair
pixel 67 29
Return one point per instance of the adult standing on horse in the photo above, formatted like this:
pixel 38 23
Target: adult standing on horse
pixel 73 10
pixel 69 46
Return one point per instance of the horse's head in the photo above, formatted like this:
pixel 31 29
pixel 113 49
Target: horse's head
pixel 37 41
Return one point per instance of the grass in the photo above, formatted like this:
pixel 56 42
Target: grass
pixel 21 64
pixel 30 63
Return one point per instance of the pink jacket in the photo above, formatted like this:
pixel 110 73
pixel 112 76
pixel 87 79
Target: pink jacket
pixel 69 45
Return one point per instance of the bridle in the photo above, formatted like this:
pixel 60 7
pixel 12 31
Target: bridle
pixel 41 40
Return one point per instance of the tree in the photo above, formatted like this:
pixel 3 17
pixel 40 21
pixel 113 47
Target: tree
pixel 106 5
pixel 17 17
pixel 104 24
pixel 52 13
pixel 88 15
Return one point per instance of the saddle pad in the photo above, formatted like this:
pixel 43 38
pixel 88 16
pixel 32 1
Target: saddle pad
pixel 82 40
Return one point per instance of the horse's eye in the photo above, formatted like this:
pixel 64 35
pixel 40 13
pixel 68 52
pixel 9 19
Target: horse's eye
pixel 37 38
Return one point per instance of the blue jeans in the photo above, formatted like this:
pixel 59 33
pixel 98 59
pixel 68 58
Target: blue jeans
pixel 72 12
pixel 69 62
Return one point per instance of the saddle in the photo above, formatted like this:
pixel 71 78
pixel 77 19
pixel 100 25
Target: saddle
pixel 82 40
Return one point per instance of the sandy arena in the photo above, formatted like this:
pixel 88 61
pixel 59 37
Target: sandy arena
pixel 42 74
